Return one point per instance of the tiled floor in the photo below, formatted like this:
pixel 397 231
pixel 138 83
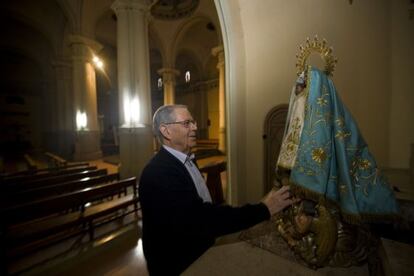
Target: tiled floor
pixel 116 250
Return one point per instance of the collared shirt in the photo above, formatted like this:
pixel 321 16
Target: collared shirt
pixel 198 179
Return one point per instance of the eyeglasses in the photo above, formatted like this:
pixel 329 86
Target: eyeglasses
pixel 185 123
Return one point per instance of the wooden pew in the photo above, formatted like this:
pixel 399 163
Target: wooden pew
pixel 56 160
pixel 214 180
pixel 23 186
pixel 31 164
pixel 33 225
pixel 4 176
pixel 33 194
pixel 28 178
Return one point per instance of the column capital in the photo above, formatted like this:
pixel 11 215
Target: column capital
pixel 79 39
pixel 168 73
pixel 219 53
pixel 131 5
pixel 83 47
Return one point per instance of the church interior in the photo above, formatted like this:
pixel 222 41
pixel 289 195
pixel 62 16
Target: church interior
pixel 81 80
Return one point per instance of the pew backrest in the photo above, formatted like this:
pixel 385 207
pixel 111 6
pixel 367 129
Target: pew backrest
pixel 33 172
pixel 52 206
pixel 56 160
pixel 33 194
pixel 14 187
pixel 27 178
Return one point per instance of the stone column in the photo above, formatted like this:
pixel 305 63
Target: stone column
pixel 65 115
pixel 219 52
pixel 203 107
pixel 168 81
pixel 135 133
pixel 412 164
pixel 87 139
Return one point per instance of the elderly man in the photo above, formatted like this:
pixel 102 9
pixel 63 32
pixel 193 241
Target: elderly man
pixel 179 220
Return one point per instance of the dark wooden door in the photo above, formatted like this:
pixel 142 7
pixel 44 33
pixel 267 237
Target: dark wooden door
pixel 274 127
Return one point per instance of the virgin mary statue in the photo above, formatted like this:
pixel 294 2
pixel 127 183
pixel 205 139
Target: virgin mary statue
pixel 327 163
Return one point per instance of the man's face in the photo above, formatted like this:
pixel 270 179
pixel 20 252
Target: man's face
pixel 180 136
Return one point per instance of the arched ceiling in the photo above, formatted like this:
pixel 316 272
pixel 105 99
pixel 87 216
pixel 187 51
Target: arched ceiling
pixel 39 51
pixel 44 16
pixel 92 12
pixel 173 9
pixel 46 22
pixel 197 33
pixel 200 36
pixel 105 30
pixel 20 74
pixel 187 60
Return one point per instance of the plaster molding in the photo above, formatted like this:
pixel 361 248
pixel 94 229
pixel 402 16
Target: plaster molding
pixel 131 5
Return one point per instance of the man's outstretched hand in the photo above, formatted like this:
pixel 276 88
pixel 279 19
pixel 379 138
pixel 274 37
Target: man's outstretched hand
pixel 277 200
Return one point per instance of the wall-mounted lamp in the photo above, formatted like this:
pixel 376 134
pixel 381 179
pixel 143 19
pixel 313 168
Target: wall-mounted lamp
pixel 81 120
pixel 98 62
pixel 187 76
pixel 132 112
pixel 159 83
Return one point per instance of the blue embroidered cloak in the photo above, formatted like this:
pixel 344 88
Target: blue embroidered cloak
pixel 333 163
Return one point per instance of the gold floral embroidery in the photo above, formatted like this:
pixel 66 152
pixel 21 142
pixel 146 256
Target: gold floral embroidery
pixel 321 101
pixel 325 90
pixel 364 164
pixel 343 189
pixel 342 134
pixel 292 140
pixel 340 122
pixel 319 155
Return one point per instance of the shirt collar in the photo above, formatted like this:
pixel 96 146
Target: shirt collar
pixel 179 155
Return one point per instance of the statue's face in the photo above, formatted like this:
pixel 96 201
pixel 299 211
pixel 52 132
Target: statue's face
pixel 299 88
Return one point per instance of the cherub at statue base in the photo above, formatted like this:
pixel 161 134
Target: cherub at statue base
pixel 353 249
pixel 317 235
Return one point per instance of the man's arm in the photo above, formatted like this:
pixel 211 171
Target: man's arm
pixel 181 209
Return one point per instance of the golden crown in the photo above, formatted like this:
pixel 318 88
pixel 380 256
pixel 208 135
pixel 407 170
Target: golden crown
pixel 316 46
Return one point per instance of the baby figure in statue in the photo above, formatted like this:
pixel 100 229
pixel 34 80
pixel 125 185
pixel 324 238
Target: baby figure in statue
pixel 325 160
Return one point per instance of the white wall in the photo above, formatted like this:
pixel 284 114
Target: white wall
pixel 271 32
pixel 402 72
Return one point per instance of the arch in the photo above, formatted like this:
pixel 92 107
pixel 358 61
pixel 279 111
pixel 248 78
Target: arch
pixel 105 29
pixel 156 42
pixel 41 52
pixel 157 94
pixel 191 56
pixel 30 24
pixel 91 13
pixel 182 30
pixel 235 83
pixel 37 68
pixel 70 15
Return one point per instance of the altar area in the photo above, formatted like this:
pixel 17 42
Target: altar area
pixel 243 258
